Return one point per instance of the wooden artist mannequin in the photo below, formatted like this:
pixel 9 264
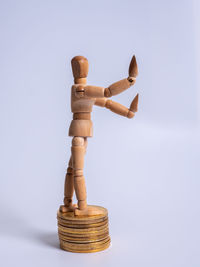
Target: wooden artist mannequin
pixel 83 97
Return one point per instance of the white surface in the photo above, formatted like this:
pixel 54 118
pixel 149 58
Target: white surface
pixel 146 169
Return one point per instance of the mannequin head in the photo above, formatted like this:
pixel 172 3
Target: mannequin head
pixel 79 68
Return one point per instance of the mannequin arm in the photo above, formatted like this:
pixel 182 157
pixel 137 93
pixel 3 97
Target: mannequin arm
pixel 91 91
pixel 99 92
pixel 119 87
pixel 118 108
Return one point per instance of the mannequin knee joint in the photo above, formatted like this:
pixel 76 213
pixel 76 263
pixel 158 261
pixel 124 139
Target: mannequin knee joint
pixel 78 141
pixel 78 173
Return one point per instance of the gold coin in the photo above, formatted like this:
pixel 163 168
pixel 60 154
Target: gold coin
pixel 84 246
pixel 85 249
pixel 84 230
pixel 70 215
pixel 84 234
pixel 83 239
pixel 82 226
pixel 82 222
pixel 105 246
pixel 86 220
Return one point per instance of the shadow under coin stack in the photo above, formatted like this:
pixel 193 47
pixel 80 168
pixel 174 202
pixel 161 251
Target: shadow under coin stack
pixel 83 233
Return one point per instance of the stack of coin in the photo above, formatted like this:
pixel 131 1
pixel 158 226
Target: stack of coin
pixel 83 233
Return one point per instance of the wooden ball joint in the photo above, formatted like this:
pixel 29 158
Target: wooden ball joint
pixel 83 97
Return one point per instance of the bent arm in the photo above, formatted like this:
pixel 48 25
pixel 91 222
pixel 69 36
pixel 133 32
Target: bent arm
pixel 99 92
pixel 114 107
pixel 114 89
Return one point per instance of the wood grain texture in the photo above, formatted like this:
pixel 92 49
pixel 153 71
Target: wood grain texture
pixel 79 67
pixel 94 91
pixel 117 108
pixel 119 87
pixel 78 152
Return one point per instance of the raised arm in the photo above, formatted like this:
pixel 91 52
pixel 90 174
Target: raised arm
pixel 118 108
pixel 113 89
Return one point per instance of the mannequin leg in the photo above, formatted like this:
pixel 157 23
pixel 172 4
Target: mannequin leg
pixel 79 145
pixel 68 189
pixel 78 152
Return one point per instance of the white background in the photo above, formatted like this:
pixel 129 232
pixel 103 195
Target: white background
pixel 145 171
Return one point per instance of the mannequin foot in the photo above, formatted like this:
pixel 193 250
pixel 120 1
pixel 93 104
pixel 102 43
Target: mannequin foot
pixel 65 209
pixel 88 211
